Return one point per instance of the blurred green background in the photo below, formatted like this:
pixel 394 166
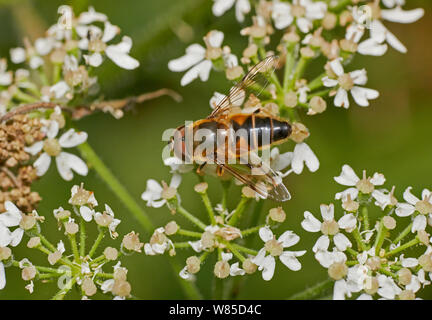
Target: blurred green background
pixel 392 136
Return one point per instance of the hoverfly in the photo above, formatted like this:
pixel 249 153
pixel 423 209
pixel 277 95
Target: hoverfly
pixel 221 129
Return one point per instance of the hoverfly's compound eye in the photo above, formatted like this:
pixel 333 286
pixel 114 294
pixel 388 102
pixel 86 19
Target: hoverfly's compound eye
pixel 178 143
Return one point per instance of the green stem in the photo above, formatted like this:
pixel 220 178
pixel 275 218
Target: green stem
pixel 360 244
pixel 119 190
pixel 365 215
pixel 298 72
pixel 82 237
pixel 317 82
pixel 380 237
pixel 289 66
pixel 181 245
pixel 238 211
pixel 191 217
pixel 61 294
pixel 225 188
pixel 188 233
pixel 252 230
pixel 234 251
pixel 244 249
pixel 411 243
pixel 24 97
pixel 97 242
pixel 206 200
pixel 313 292
pixel 73 242
pixel 403 234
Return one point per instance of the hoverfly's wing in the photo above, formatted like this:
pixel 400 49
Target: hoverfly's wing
pixel 258 176
pixel 254 82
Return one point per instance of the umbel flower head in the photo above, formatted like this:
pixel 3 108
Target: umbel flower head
pixel 79 267
pixel 372 260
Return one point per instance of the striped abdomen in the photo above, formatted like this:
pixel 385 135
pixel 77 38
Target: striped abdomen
pixel 263 131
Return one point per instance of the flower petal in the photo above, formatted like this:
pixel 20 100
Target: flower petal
pixel 42 164
pixel 265 233
pixel 347 177
pixel 71 138
pixel 310 223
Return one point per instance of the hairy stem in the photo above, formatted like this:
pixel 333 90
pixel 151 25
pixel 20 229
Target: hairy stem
pixel 119 190
pixel 313 292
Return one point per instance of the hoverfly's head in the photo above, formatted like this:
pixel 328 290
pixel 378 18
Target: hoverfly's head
pixel 178 144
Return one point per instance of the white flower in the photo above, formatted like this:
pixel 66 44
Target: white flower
pixel 91 16
pixel 370 46
pixel 119 54
pixel 153 192
pixel 388 289
pixel 197 60
pixel 177 165
pixel 278 161
pixel 302 155
pixel 330 228
pixel 44 46
pixel 59 89
pixel 18 55
pixel 349 178
pixel 384 198
pixel 158 247
pixel 10 218
pixel 114 223
pixel 242 7
pixel 413 204
pixel 380 34
pixel 327 258
pixel 6 77
pixel 52 147
pixel 303 12
pixel 266 263
pixel 349 82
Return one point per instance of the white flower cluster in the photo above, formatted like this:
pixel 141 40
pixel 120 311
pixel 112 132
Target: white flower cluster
pixel 70 48
pixel 367 260
pixel 307 34
pixel 80 267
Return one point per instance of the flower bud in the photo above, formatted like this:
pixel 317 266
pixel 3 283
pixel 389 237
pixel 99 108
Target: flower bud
pixel 337 270
pixel 329 21
pixel 404 276
pixel 54 257
pixel 389 222
pixel 131 242
pixel 28 273
pixel 317 104
pixel 290 99
pixel 222 269
pixel 88 287
pixel 28 221
pixel 171 228
pixel 201 187
pixel 71 227
pixel 299 132
pixel 5 253
pixel 111 253
pixel 277 214
pixel 193 264
pixel 407 295
pixel 33 242
pixel 249 267
pixel 121 288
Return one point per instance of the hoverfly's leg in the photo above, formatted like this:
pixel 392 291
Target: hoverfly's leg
pixel 200 168
pixel 220 171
